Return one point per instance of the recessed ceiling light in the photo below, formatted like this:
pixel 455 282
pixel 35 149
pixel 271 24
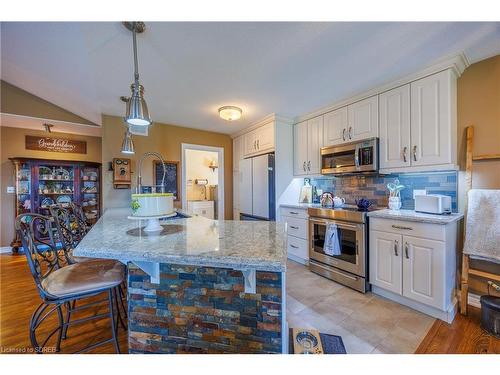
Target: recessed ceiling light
pixel 230 113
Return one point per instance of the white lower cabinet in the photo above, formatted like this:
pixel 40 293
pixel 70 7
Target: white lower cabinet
pixel 201 208
pixel 297 229
pixel 414 264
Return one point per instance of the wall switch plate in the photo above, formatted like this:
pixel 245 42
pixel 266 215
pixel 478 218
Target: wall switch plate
pixel 419 192
pixel 11 189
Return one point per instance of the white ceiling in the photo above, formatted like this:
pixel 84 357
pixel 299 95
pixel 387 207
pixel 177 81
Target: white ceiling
pixel 191 69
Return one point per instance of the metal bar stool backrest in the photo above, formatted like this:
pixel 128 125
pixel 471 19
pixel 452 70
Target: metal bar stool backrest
pixel 80 218
pixel 37 235
pixel 66 230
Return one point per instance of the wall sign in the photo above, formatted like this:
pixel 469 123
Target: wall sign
pixel 51 144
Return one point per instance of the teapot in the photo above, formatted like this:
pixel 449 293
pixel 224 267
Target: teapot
pixel 326 199
pixel 338 201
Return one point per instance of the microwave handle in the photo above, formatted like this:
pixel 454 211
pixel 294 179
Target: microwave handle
pixel 356 156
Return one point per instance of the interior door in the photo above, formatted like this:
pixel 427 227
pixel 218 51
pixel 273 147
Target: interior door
pixel 335 127
pixel 385 261
pixel 260 182
pixel 363 119
pixel 246 186
pixel 314 144
pixel 431 106
pixel 300 148
pixel 423 278
pixel 395 128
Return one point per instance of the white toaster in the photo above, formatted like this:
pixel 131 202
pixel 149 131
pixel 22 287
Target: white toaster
pixel 433 204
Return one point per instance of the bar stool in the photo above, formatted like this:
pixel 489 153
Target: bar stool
pixel 71 228
pixel 60 285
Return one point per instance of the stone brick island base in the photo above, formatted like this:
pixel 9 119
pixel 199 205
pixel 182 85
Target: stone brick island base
pixel 204 310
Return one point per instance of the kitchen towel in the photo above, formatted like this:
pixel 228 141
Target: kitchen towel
pixel 332 244
pixel 482 229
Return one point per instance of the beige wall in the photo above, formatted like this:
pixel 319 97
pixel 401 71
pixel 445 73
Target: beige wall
pixel 479 105
pixel 12 144
pixel 167 140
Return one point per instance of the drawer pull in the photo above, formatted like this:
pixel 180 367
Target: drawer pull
pixel 293 246
pixel 401 227
pixel 291 226
pixel 293 213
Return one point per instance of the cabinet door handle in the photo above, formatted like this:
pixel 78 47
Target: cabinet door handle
pixel 343 134
pixel 258 147
pixel 404 153
pixel 396 245
pixel 406 251
pixel 401 227
pixel 254 145
pixel 293 246
pixel 291 226
pixel 415 153
pixel 304 166
pixel 350 132
pixel 309 165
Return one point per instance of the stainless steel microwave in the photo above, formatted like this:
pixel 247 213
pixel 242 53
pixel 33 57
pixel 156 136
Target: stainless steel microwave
pixel 353 157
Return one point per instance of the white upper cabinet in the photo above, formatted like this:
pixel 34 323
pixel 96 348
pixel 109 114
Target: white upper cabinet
pixel 307 140
pixel 265 137
pixel 362 119
pixel 260 140
pixel 433 120
pixel 335 127
pixel 300 149
pixel 314 143
pixel 394 108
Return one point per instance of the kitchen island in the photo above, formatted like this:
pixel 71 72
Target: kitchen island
pixel 200 285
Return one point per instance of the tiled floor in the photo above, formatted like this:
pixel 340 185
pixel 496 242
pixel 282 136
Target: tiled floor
pixel 366 322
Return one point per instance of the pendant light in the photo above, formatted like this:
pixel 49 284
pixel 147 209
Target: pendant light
pixel 137 110
pixel 128 143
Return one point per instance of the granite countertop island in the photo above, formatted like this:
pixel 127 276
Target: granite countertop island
pixel 196 240
pixel 201 285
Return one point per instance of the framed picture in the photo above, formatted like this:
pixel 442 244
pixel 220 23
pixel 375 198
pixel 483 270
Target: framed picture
pixel 172 178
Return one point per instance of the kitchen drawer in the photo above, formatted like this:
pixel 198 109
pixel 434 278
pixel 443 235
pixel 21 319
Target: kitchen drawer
pixel 294 212
pixel 298 247
pixel 296 227
pixel 409 228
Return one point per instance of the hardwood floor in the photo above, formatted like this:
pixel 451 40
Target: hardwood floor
pixel 463 336
pixel 19 297
pixel 18 300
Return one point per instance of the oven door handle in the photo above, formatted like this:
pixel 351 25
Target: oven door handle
pixel 340 225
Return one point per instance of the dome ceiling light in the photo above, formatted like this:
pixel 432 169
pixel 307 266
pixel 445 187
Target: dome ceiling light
pixel 230 113
pixel 137 110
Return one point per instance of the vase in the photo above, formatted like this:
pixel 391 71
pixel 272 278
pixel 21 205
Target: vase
pixel 394 203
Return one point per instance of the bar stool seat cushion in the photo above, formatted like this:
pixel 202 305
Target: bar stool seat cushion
pixel 85 277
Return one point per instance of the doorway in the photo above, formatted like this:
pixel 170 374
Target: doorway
pixel 203 180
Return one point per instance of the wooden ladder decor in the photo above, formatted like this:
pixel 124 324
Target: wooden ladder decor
pixel 466 270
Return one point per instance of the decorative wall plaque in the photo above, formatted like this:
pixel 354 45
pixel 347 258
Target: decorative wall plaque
pixel 52 144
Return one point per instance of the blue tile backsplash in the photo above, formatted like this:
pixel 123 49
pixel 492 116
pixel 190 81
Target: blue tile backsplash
pixel 374 188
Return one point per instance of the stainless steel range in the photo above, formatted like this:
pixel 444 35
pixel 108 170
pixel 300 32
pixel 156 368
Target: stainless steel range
pixel 349 264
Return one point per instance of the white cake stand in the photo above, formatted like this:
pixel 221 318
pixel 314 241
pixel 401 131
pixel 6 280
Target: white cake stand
pixel 153 221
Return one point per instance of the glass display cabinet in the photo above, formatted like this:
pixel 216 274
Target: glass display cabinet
pixel 41 183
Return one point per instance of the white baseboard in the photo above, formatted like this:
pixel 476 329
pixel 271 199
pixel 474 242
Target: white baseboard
pixel 5 249
pixel 473 300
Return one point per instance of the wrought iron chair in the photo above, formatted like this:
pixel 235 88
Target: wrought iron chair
pixel 60 283
pixel 70 231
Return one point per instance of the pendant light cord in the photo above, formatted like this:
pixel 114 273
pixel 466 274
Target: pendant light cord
pixel 136 64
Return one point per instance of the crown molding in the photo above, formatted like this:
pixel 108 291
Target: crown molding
pixel 457 63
